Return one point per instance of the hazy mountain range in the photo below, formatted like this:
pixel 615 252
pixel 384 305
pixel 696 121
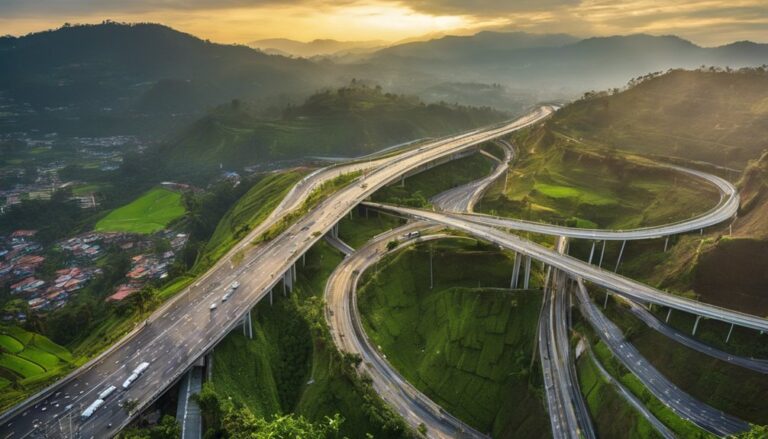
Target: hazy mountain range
pixel 116 71
pixel 320 47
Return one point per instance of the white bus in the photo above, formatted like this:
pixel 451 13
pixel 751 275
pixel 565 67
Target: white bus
pixel 135 374
pixel 87 413
pixel 108 391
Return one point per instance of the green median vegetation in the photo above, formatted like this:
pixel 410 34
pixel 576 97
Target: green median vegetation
pixel 612 415
pixel 561 181
pixel 317 196
pixel 363 224
pixel 419 188
pixel 466 343
pixel 151 212
pixel 730 388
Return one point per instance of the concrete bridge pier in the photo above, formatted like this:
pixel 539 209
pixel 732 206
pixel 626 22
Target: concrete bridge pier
pixel 592 252
pixel 621 252
pixel 288 282
pixel 248 325
pixel 602 253
pixel 516 271
pixel 605 303
pixel 669 313
pixel 728 337
pixel 527 276
pixel 270 296
pixel 666 244
pixel 696 325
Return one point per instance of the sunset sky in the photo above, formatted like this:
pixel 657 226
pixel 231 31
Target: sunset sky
pixel 706 22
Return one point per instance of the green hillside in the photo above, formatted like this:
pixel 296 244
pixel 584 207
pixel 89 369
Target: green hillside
pixel 467 343
pixel 718 117
pixel 27 360
pixel 563 182
pixel 350 121
pixel 149 213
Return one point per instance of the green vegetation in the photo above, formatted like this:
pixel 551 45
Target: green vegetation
pixel 558 181
pixel 364 225
pixel 679 426
pixel 249 211
pixel 419 188
pixel 26 361
pixel 467 343
pixel 317 196
pixel 611 413
pixel 718 117
pixel 350 121
pixel 296 368
pixel 149 213
pixel 724 386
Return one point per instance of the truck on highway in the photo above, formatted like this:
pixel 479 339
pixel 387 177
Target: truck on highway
pixel 135 374
pixel 88 412
pixel 235 285
pixel 411 235
pixel 106 392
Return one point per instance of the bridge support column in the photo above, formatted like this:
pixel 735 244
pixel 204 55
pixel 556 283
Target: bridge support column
pixel 669 313
pixel 592 252
pixel 287 282
pixel 605 303
pixel 270 296
pixel 701 231
pixel 728 337
pixel 515 271
pixel 666 244
pixel 602 253
pixel 696 325
pixel 650 306
pixel 527 277
pixel 293 272
pixel 304 259
pixel 621 252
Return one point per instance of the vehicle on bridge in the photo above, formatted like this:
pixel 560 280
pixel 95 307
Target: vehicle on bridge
pixel 135 374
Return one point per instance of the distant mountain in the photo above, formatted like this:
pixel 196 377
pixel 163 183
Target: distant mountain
pixel 350 121
pixel 115 68
pixel 557 64
pixel 286 47
pixel 480 45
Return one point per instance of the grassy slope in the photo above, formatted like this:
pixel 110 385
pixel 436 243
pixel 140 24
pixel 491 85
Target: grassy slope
pixel 253 372
pixel 562 182
pixel 253 208
pixel 467 348
pixel 715 117
pixel 438 179
pixel 147 214
pixel 612 415
pixel 363 226
pixel 27 361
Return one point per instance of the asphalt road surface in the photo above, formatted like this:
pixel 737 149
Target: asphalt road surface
pixel 686 406
pixel 577 268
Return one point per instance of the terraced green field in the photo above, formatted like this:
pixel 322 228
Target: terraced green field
pixel 27 360
pixel 562 182
pixel 147 214
pixel 467 343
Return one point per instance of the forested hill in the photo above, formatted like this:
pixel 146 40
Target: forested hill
pixel 348 121
pixel 715 116
pixel 141 67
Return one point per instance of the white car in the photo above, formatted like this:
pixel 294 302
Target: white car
pixel 212 307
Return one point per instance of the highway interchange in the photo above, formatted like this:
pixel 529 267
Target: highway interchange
pixel 184 329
